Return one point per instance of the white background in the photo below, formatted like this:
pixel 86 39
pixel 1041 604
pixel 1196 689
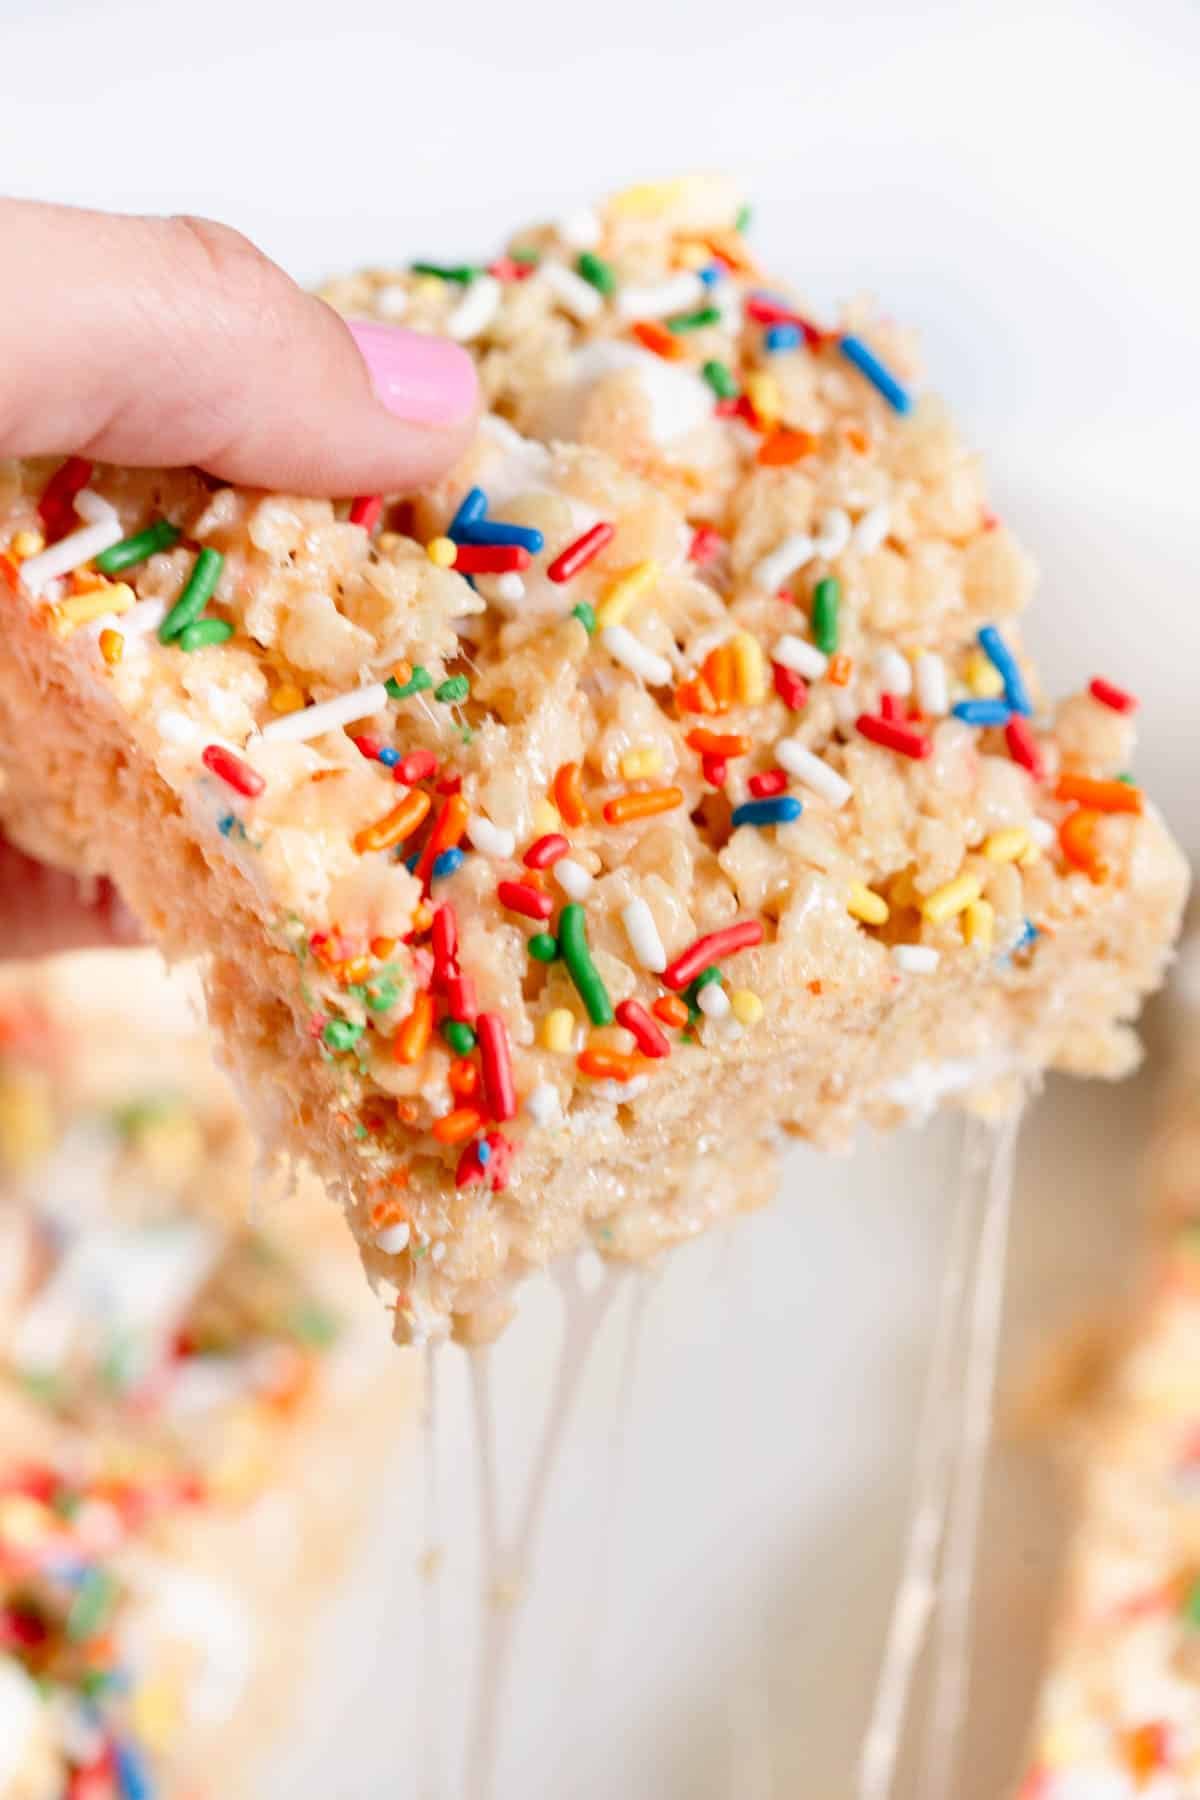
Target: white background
pixel 1018 180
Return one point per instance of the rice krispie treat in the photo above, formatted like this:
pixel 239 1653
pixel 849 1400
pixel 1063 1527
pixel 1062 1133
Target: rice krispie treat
pixel 672 774
pixel 188 1403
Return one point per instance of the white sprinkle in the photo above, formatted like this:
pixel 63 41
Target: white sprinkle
pixel 813 771
pixel 476 310
pixel 894 670
pixel 92 507
pixel 393 1238
pixel 571 291
pixel 632 654
pixel 676 295
pixel 728 301
pixel 69 553
pixel 713 1001
pixel 1042 832
pixel 796 653
pixel 833 534
pixel 872 529
pixel 327 715
pixel 509 587
pixel 392 300
pixel 580 229
pixel 916 959
pixel 647 946
pixel 542 1105
pixel 491 840
pixel 782 563
pixel 572 878
pixel 933 694
pixel 142 619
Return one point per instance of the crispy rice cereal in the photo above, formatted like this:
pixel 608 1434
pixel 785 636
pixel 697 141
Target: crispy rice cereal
pixel 681 775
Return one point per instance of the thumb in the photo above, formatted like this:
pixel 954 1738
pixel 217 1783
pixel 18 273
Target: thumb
pixel 174 341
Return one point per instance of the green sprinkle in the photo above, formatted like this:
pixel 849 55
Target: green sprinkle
pixel 1191 1606
pixel 340 1034
pixel 205 632
pixel 586 615
pixel 131 550
pixel 742 222
pixel 593 268
pixel 418 681
pixel 459 1036
pixel 703 980
pixel 719 377
pixel 206 572
pixel 694 321
pixel 543 946
pixel 826 596
pixel 381 996
pixel 452 690
pixel 460 272
pixel 91 1606
pixel 526 254
pixel 572 938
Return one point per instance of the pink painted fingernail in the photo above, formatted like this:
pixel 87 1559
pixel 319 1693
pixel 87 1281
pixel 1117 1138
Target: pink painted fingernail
pixel 425 379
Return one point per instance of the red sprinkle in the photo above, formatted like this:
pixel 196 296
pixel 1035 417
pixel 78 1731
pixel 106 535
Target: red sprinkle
pixel 1023 746
pixel 232 769
pixel 891 707
pixel 519 897
pixel 650 1040
pixel 895 736
pixel 496 1064
pixel 546 851
pixel 495 1171
pixel 768 783
pixel 444 938
pixel 418 765
pixel 1115 697
pixel 791 688
pixel 56 508
pixel 505 269
pixel 460 997
pixel 715 768
pixel 367 510
pixel 368 747
pixel 772 312
pixel 450 784
pixel 706 544
pixel 490 559
pixel 707 950
pixel 577 555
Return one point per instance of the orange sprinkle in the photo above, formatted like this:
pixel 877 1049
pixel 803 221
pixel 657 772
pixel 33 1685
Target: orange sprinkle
pixel 396 825
pixel 718 743
pixel 463 1078
pixel 785 446
pixel 568 794
pixel 406 1112
pixel 642 805
pixel 656 337
pixel 402 673
pixel 448 827
pixel 455 1127
pixel 609 1065
pixel 670 1009
pixel 412 1037
pixel 729 246
pixel 1100 796
pixel 1077 835
pixel 112 646
pixel 695 695
pixel 422 917
pixel 382 947
pixel 357 970
pixel 720 673
pixel 840 669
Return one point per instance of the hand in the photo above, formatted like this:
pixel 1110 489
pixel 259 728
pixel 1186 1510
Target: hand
pixel 172 342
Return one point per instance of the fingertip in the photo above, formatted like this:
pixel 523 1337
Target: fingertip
pixel 417 376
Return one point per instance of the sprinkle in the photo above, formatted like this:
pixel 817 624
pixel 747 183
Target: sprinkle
pixel 951 898
pixel 456 1126
pixel 366 510
pixel 749 667
pixel 341 1034
pixel 545 851
pixel 460 994
pixel 453 691
pixel 311 721
pixel 982 676
pixel 766 310
pixel 417 681
pixel 441 552
pixel 746 1005
pixel 798 654
pixel 232 770
pixel 1111 696
pixel 568 794
pixel 671 1010
pixel 543 1105
pixel 495 1060
pixel 642 805
pixel 982 712
pixel 623 593
pixel 69 553
pixel 864 903
pixel 203 633
pixel 916 959
pixel 933 694
pixel 642 765
pixel 1023 746
pixel 782 337
pixel 713 1001
pixel 392 1239
pixel 447 862
pixel 998 652
pixel 893 736
pixel 868 364
pixel 762 391
pixel 710 949
pixel 768 783
pixel 715 769
pixel 499 531
pixel 979 920
pixel 1006 846
pixel 476 310
pixel 418 765
pixel 573 293
pixel 783 562
pixel 601 274
pixel 412 1037
pixel 833 534
pixel 694 321
pixel 574 880
pixel 287 698
pixel 650 1040
pixel 1101 796
pixel 558 1030
pixel 470 510
pixel 459 272
pixel 112 646
pixel 790 687
pixel 448 828
pixel 635 656
pixel 580 552
pixel 894 670
pixel 131 550
pixel 719 672
pixel 490 559
pixel 197 592
pixel 1029 935
pixel 27 543
pixel 718 743
pixel 57 503
pixel 780 811
pixel 508 587
pixel 826 597
pixel 572 937
pixel 394 826
pixel 655 337
pixel 603 1064
pixel 720 379
pixel 642 933
pixel 672 296
pixel 81 609
pixel 871 530
pixel 520 897
pixel 543 947
pixel 491 840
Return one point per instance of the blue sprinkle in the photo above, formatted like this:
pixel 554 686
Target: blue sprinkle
pixel 711 274
pixel 227 824
pixel 780 811
pixel 483 1150
pixel 868 364
pixel 410 862
pixel 1029 933
pixel 982 712
pixel 1005 665
pixel 447 863
pixel 133 1775
pixel 488 531
pixel 389 758
pixel 471 508
pixel 782 337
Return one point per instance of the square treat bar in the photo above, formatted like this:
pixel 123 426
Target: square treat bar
pixel 188 1404
pixel 1119 1709
pixel 670 775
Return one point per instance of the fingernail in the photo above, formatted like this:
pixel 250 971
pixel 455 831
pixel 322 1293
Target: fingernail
pixel 425 379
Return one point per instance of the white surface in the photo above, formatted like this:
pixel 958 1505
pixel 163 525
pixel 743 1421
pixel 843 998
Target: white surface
pixel 1018 181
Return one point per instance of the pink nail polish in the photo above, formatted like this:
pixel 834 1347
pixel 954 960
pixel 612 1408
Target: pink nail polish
pixel 425 379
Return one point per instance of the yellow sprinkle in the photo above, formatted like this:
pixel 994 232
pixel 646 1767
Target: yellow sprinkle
pixel 749 668
pixel 441 552
pixel 746 1005
pixel 764 396
pixel 983 677
pixel 27 543
pixel 647 199
pixel 865 904
pixel 1006 846
pixel 640 765
pixel 953 898
pixel 287 698
pixel 627 589
pixel 78 609
pixel 558 1030
pixel 979 919
pixel 112 646
pixel 546 817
